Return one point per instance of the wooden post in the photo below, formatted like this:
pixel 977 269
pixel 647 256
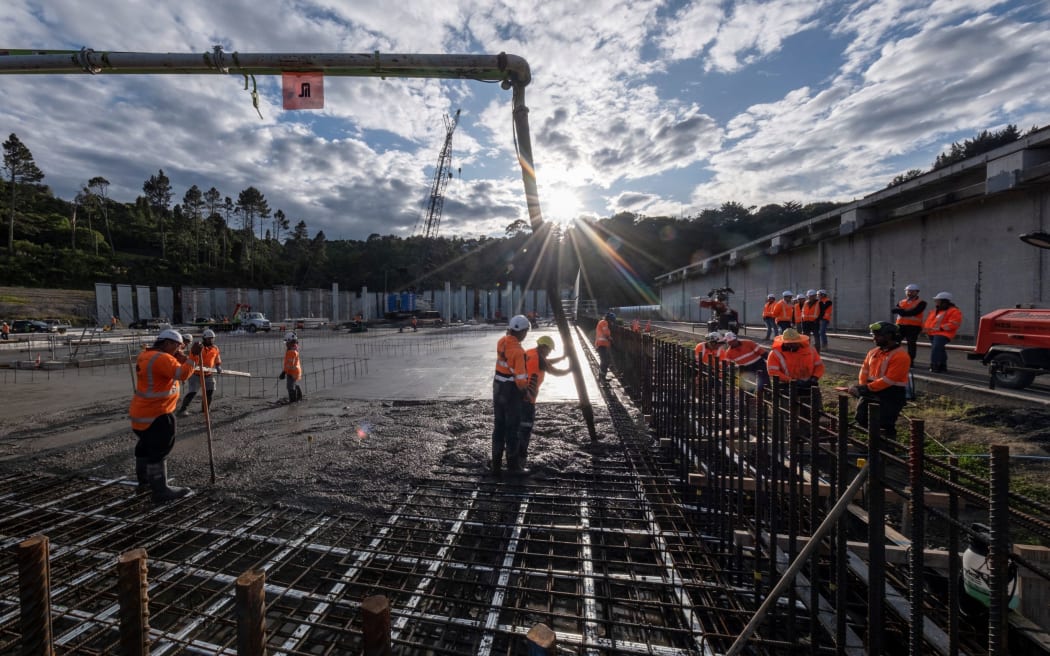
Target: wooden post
pixel 1033 590
pixel 251 613
pixel 34 596
pixel 375 626
pixel 133 595
pixel 542 641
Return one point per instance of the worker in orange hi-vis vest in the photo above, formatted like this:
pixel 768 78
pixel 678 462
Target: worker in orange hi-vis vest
pixel 909 311
pixel 292 367
pixel 706 352
pixel 784 310
pixel 209 358
pixel 942 322
pixel 158 371
pixel 537 364
pixel 509 387
pixel 809 311
pixel 883 378
pixel 748 356
pixel 769 316
pixel 603 342
pixel 825 316
pixel 793 358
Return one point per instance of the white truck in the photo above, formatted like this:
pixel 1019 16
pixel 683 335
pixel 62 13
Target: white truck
pixel 254 322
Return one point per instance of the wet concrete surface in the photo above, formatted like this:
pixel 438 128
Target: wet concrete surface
pixel 422 410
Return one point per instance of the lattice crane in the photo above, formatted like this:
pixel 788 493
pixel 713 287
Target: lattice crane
pixel 432 220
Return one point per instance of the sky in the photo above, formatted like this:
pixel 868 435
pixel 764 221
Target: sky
pixel 657 107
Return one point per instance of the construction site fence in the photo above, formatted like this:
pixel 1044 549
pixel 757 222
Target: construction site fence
pixel 765 466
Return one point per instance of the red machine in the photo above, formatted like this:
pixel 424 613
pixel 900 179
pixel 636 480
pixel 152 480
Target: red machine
pixel 1015 344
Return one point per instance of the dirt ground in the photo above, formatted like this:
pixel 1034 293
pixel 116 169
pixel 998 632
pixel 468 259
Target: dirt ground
pixel 331 453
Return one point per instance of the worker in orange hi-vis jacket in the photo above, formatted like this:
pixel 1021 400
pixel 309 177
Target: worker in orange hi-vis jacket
pixel 942 322
pixel 209 358
pixel 509 386
pixel 784 310
pixel 537 364
pixel 603 342
pixel 883 378
pixel 748 356
pixel 809 316
pixel 793 358
pixel 292 367
pixel 769 316
pixel 909 311
pixel 158 371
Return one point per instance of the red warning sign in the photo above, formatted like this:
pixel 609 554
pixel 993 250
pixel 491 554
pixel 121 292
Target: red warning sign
pixel 303 90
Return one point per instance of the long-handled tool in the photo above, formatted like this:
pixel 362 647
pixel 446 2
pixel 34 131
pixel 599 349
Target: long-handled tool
pixel 207 420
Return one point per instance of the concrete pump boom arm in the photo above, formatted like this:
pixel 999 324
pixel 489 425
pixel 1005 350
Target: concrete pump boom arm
pixel 511 69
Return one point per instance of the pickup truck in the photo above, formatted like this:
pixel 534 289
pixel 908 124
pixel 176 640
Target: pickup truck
pixel 255 321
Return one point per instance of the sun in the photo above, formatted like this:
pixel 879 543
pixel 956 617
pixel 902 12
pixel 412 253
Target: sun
pixel 560 204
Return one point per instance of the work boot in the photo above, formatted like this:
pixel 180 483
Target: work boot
pixel 157 473
pixel 514 466
pixel 141 475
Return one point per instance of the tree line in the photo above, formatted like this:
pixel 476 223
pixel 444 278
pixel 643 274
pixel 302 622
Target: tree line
pixel 209 238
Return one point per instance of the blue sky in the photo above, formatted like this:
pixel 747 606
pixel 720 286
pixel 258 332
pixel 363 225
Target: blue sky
pixel 649 106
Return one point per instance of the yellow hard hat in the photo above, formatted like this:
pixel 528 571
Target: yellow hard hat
pixel 547 341
pixel 792 335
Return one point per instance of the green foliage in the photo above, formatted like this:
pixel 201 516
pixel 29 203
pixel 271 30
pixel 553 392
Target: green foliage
pixel 910 174
pixel 981 143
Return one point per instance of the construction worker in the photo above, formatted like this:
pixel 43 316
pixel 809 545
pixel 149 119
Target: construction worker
pixel 636 326
pixel 5 330
pixel 909 311
pixel 942 322
pixel 784 311
pixel 415 324
pixel 769 316
pixel 708 349
pixel 825 316
pixel 158 370
pixel 603 342
pixel 793 358
pixel 883 378
pixel 509 386
pixel 537 363
pixel 292 369
pixel 208 357
pixel 809 311
pixel 747 356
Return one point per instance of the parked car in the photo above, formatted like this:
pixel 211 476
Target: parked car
pixel 58 325
pixel 30 326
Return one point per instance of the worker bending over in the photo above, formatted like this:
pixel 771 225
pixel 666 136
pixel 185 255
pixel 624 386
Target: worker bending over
pixel 793 359
pixel 537 363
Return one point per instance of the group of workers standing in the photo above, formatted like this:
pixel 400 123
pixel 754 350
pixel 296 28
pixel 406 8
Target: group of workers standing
pixel 798 328
pixel 160 370
pixel 515 388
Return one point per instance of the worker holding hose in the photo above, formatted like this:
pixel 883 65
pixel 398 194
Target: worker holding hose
pixel 537 364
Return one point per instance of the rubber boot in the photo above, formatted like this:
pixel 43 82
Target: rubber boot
pixel 141 475
pixel 183 412
pixel 298 393
pixel 157 473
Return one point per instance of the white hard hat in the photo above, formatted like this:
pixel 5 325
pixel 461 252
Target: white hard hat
pixel 771 296
pixel 186 337
pixel 728 337
pixel 170 334
pixel 291 337
pixel 943 296
pixel 788 293
pixel 911 288
pixel 811 292
pixel 208 334
pixel 822 292
pixel 519 322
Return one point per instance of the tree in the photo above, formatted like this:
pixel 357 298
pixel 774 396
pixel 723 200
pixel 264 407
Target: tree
pixel 251 204
pixel 19 168
pixel 158 192
pixel 910 174
pixel 981 143
pixel 193 205
pixel 280 222
pixel 99 187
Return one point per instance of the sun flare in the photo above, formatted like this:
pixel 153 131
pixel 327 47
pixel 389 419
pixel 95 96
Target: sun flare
pixel 560 204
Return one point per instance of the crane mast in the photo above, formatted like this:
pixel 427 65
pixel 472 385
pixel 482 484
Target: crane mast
pixel 441 176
